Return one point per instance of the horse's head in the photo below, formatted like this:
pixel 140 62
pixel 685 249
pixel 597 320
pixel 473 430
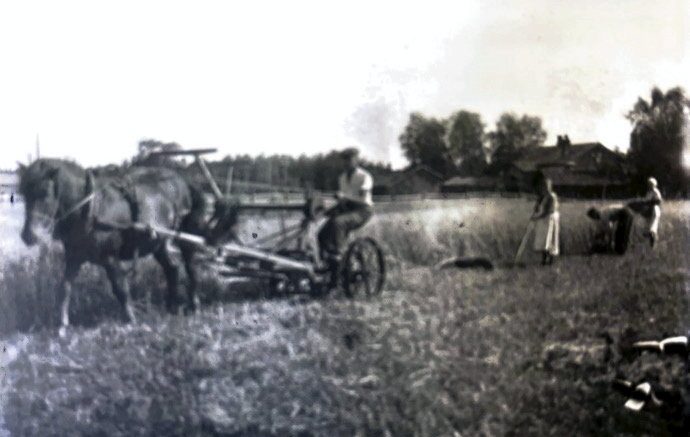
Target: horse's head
pixel 44 185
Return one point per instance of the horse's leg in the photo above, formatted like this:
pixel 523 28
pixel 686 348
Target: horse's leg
pixel 72 267
pixel 190 268
pixel 120 285
pixel 171 274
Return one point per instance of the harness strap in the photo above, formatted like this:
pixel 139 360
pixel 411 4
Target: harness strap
pixel 130 194
pixel 77 206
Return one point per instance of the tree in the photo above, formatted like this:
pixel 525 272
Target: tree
pixel 657 138
pixel 513 135
pixel 465 141
pixel 422 142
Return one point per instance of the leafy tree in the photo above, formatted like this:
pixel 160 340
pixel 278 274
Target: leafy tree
pixel 423 142
pixel 657 138
pixel 514 134
pixel 465 140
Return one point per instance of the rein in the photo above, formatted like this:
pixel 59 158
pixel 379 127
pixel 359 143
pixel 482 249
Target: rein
pixel 76 207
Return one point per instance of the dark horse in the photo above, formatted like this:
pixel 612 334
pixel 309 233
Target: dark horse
pixel 93 217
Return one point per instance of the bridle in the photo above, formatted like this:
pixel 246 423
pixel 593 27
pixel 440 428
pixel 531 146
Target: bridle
pixel 74 208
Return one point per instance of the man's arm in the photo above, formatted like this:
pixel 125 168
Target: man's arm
pixel 549 208
pixel 367 186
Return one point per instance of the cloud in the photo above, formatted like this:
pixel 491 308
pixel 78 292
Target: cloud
pixel 276 77
pixel 572 91
pixel 375 126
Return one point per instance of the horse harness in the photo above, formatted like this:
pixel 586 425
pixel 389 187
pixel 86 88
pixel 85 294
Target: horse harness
pixel 128 191
pixel 126 187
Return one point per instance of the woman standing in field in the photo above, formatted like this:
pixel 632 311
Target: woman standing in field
pixel 653 197
pixel 547 224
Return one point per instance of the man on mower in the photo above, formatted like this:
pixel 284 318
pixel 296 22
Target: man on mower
pixel 353 210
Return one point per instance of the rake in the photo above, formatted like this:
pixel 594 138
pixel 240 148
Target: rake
pixel 523 242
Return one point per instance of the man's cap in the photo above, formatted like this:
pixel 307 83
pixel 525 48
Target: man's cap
pixel 652 182
pixel 349 152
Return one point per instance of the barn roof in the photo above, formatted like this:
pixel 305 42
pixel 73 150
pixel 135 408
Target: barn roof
pixel 421 168
pixel 459 181
pixel 394 177
pixel 563 176
pixel 533 159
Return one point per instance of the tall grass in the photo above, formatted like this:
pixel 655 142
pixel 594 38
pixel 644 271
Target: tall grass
pixel 512 352
pixel 490 228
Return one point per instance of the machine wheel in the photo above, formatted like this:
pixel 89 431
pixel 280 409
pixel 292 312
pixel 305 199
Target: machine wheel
pixel 363 269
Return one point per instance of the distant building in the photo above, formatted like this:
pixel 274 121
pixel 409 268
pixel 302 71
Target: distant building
pixel 415 179
pixel 9 182
pixel 459 184
pixel 576 170
pixel 9 185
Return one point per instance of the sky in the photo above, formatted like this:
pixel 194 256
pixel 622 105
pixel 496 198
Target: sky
pixel 92 79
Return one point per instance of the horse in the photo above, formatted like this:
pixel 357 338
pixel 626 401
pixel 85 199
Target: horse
pixel 95 218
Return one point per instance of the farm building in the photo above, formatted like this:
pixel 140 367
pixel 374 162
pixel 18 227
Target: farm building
pixel 414 179
pixel 576 170
pixel 9 182
pixel 459 184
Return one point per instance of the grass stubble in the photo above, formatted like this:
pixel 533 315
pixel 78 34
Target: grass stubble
pixel 516 351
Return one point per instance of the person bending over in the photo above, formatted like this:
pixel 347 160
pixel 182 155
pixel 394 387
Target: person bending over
pixel 612 228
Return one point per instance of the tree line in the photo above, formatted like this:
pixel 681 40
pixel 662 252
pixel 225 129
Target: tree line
pixel 659 141
pixel 257 173
pixel 461 145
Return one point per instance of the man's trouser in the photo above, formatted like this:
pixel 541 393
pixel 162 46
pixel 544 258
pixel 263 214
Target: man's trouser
pixel 345 218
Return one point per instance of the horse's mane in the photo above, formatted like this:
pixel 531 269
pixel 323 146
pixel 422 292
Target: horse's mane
pixel 41 168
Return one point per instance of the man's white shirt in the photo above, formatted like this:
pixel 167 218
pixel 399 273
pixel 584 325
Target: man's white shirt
pixel 358 186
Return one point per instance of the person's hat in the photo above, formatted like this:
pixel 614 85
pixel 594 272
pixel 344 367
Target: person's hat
pixel 652 182
pixel 349 152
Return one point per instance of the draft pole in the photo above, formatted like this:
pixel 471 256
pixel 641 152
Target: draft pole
pixel 214 186
pixel 228 179
pixel 282 173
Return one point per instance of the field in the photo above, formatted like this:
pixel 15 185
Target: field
pixel 515 351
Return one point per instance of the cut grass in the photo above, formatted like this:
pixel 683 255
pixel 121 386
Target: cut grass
pixel 513 352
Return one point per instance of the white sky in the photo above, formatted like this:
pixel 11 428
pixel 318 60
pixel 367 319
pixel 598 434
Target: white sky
pixel 93 78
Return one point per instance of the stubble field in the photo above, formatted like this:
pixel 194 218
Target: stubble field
pixel 514 351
